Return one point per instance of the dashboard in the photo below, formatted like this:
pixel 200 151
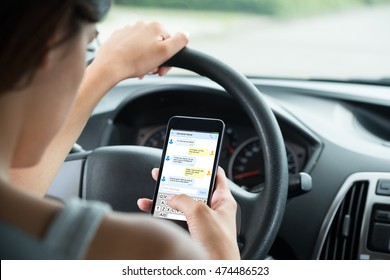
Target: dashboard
pixel 338 133
pixel 241 155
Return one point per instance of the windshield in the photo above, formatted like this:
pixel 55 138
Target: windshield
pixel 325 39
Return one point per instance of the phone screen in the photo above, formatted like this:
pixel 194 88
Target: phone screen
pixel 188 168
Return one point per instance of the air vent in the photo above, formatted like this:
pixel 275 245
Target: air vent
pixel 342 240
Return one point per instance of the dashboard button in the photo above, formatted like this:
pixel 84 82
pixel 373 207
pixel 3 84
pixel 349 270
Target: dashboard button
pixel 380 238
pixel 382 216
pixel 383 187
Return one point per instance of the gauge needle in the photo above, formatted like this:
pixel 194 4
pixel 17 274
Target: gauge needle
pixel 230 148
pixel 247 174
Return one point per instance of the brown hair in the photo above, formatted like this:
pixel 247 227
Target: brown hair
pixel 27 26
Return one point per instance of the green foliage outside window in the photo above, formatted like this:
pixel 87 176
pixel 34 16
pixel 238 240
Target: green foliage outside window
pixel 266 7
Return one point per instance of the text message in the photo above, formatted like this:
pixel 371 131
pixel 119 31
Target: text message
pixel 185 142
pixel 184 160
pixel 194 172
pixel 180 181
pixel 200 152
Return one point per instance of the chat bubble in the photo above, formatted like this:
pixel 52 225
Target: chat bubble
pixel 180 182
pixel 184 160
pixel 185 142
pixel 200 152
pixel 194 172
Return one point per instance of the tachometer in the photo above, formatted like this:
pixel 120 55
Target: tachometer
pixel 155 138
pixel 246 167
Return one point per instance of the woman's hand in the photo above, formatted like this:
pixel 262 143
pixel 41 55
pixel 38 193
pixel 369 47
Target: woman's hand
pixel 213 227
pixel 136 50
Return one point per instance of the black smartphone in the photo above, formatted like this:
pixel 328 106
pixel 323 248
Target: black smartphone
pixel 189 163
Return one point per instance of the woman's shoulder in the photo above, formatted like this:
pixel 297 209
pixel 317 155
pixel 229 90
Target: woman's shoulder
pixel 88 229
pixel 139 236
pixel 24 219
pixel 62 231
pixel 26 211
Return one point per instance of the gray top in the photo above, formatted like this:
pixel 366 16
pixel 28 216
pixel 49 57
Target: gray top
pixel 68 237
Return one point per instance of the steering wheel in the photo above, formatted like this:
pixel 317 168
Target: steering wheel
pixel 120 175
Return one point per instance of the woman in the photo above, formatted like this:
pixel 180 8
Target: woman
pixel 45 100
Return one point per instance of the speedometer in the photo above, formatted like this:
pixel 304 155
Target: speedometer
pixel 246 167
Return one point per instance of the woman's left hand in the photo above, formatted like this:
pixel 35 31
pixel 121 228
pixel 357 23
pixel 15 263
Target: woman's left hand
pixel 137 50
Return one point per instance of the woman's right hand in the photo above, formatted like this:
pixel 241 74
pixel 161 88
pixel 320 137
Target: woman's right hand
pixel 213 227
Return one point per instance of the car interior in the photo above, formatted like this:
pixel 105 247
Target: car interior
pixel 308 159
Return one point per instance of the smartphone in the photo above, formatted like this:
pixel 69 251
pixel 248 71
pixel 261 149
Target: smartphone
pixel 189 163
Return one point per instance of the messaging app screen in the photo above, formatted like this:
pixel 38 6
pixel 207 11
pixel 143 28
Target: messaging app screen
pixel 188 164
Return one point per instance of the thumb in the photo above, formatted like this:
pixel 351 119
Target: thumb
pixel 175 43
pixel 144 204
pixel 187 205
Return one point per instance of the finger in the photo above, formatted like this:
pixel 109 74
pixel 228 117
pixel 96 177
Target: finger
pixel 175 43
pixel 221 183
pixel 153 71
pixel 162 71
pixel 155 173
pixel 163 36
pixel 222 195
pixel 145 204
pixel 187 205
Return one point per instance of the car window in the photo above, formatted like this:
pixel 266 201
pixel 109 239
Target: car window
pixel 327 39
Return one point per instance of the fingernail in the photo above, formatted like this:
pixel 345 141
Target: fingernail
pixel 187 34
